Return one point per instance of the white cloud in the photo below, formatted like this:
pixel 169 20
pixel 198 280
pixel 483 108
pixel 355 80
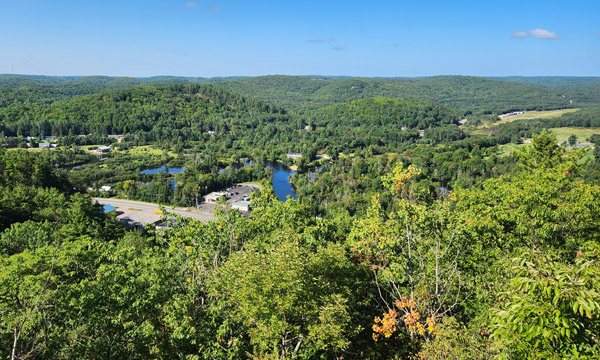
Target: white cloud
pixel 536 33
pixel 520 35
pixel 543 34
pixel 213 9
pixel 338 48
pixel 189 4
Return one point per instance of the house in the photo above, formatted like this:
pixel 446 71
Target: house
pixel 241 205
pixel 44 145
pixel 294 155
pixel 49 138
pixel 214 196
pixel 105 188
pixel 103 149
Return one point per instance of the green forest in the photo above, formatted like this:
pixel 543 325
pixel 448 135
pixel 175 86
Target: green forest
pixel 424 227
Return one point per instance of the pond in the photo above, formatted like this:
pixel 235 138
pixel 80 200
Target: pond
pixel 281 178
pixel 175 170
pixel 281 181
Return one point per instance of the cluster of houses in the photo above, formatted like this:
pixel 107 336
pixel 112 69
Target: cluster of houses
pixel 46 144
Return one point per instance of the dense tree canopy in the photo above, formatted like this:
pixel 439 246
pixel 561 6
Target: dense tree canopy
pixel 414 236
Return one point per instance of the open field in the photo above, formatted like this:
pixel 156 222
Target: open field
pixel 562 134
pixel 481 129
pixel 535 115
pixel 148 149
pixel 507 149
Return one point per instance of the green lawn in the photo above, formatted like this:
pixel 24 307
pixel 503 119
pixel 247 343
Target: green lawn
pixel 481 129
pixel 535 115
pixel 148 149
pixel 507 149
pixel 562 134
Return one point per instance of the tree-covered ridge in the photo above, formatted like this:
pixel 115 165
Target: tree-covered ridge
pixel 461 93
pixel 581 89
pixel 21 89
pixel 398 113
pixel 196 108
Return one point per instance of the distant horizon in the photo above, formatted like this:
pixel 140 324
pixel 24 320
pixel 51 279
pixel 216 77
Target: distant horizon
pixel 299 75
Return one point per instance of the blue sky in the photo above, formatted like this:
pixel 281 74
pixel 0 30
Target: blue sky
pixel 326 37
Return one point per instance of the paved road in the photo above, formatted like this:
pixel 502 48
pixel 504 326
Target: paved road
pixel 138 213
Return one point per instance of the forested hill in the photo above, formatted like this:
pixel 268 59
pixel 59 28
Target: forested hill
pixel 24 89
pixel 581 89
pixel 147 111
pixel 412 114
pixel 461 93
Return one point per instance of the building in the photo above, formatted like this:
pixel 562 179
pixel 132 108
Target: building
pixel 294 155
pixel 512 113
pixel 103 149
pixel 241 205
pixel 214 196
pixel 44 145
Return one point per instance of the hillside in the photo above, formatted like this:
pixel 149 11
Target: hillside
pixel 412 114
pixel 583 90
pixel 28 89
pixel 146 111
pixel 461 93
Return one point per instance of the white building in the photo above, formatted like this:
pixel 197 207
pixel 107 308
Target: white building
pixel 103 149
pixel 241 205
pixel 214 196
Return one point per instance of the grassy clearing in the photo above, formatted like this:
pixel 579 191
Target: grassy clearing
pixel 562 134
pixel 481 129
pixel 535 115
pixel 148 150
pixel 26 149
pixel 507 149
